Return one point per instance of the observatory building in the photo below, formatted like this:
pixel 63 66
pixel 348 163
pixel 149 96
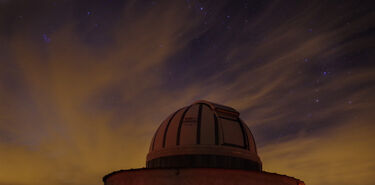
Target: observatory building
pixel 202 144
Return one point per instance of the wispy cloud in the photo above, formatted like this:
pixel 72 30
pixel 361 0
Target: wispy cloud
pixel 72 111
pixel 342 155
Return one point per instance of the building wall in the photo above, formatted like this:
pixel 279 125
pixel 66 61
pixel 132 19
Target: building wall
pixel 197 176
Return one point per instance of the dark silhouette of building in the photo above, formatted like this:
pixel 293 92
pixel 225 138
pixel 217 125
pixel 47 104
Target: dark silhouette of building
pixel 204 143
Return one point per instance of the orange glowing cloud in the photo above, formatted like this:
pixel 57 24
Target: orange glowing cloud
pixel 71 112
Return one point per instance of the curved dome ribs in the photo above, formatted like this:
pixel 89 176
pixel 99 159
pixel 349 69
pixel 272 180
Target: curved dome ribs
pixel 180 125
pixel 216 130
pixel 250 138
pixel 199 124
pixel 166 128
pixel 244 136
pixel 216 125
pixel 204 134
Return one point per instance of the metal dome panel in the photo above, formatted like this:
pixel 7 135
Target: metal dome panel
pixel 171 136
pixel 188 127
pixel 209 128
pixel 232 132
pixel 203 131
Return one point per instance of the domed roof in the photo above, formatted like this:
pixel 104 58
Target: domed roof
pixel 203 134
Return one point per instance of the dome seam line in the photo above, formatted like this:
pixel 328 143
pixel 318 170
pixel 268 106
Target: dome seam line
pixel 180 125
pixel 166 128
pixel 199 124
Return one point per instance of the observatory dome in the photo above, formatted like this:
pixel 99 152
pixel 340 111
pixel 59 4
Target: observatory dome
pixel 204 135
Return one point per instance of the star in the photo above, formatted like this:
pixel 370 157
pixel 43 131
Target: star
pixel 46 38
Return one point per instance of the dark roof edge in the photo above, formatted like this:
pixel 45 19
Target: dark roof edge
pixel 119 171
pixel 138 169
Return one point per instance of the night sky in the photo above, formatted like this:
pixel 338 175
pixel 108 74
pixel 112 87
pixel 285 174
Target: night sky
pixel 85 84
